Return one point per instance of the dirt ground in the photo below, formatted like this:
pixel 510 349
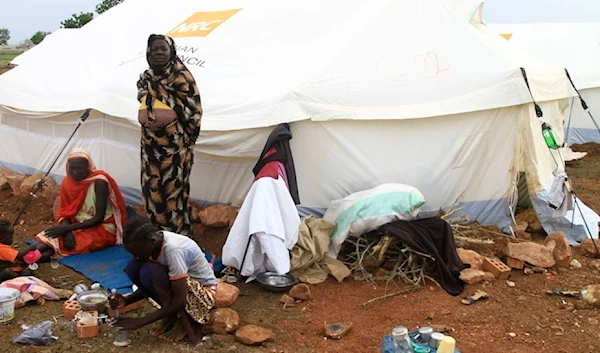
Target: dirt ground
pixel 515 319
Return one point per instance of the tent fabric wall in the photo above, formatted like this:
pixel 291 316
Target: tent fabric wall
pixel 576 47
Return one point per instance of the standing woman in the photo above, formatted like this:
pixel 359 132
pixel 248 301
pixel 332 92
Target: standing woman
pixel 170 115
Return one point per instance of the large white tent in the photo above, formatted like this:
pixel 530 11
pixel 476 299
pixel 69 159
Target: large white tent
pixel 376 92
pixel 576 47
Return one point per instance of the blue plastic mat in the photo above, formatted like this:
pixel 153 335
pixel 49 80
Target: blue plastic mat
pixel 103 266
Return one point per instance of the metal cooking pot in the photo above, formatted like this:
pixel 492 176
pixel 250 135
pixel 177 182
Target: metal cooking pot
pixel 93 300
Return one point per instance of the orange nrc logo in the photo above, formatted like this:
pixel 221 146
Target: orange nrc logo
pixel 201 24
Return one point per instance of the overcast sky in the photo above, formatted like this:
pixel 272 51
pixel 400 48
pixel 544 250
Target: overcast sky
pixel 25 17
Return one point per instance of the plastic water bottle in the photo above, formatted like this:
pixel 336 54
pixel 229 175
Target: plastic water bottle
pixel 549 137
pixel 401 340
pixel 387 346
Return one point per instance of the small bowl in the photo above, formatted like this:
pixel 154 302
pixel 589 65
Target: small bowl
pixel 274 282
pixel 93 300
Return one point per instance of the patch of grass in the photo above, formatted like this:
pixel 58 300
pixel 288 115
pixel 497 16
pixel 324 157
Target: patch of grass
pixel 6 57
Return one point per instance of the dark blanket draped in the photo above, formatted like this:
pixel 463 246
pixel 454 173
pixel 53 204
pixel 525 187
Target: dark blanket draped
pixel 280 140
pixel 432 236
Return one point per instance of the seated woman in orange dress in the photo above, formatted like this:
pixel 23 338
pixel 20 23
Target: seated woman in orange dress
pixel 91 212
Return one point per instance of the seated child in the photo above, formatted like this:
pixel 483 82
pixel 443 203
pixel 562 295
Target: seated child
pixel 9 257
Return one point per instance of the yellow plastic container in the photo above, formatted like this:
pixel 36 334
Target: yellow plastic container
pixel 447 345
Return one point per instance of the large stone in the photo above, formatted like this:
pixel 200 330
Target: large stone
pixel 253 335
pixel 3 182
pixel 562 250
pixel 15 181
pixel 535 227
pixel 587 247
pixel 49 188
pixel 222 321
pixel 218 216
pixel 523 235
pixel 226 295
pixel 301 292
pixel 472 276
pixel 591 295
pixel 195 212
pixel 470 257
pixel 532 253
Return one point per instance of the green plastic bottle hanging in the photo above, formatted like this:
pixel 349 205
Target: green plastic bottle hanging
pixel 549 137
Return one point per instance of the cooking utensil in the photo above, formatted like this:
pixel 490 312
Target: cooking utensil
pixel 93 300
pixel 274 282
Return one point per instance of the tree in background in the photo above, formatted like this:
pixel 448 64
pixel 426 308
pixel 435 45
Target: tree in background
pixel 77 21
pixel 26 44
pixel 38 37
pixel 107 4
pixel 4 36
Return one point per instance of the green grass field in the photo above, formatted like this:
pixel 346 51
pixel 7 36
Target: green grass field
pixel 6 57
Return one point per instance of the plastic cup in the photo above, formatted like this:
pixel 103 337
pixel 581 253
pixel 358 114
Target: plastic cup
pixel 447 345
pixel 54 262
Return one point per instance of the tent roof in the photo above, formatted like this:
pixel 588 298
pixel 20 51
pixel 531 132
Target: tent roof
pixel 575 46
pixel 262 62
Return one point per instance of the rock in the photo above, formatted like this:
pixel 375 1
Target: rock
pixel 470 257
pixel 222 321
pixel 535 227
pixel 252 335
pixel 226 295
pixel 301 291
pixel 195 212
pixel 337 330
pixel 472 276
pixel 522 225
pixel 514 263
pixel 535 254
pixel 286 299
pixel 3 182
pixel 521 234
pixel 15 181
pixel 575 264
pixel 591 295
pixel 587 247
pixel 48 189
pixel 488 276
pixel 562 250
pixel 512 334
pixel 528 271
pixel 218 216
pixel 510 283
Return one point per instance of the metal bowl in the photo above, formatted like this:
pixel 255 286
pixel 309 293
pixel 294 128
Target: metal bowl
pixel 93 300
pixel 274 282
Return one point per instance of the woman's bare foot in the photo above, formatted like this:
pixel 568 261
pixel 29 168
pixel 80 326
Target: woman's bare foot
pixel 163 325
pixel 176 334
